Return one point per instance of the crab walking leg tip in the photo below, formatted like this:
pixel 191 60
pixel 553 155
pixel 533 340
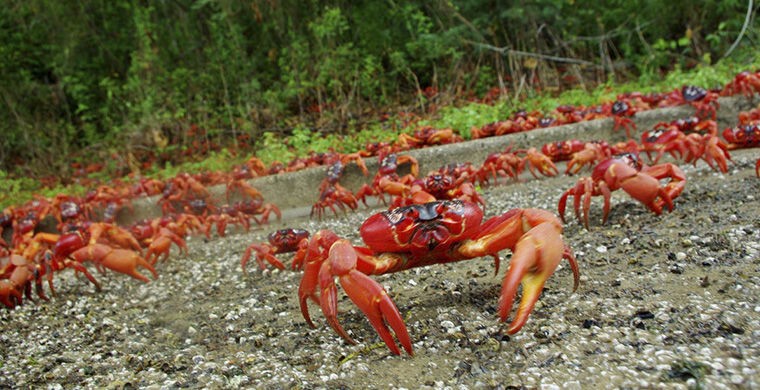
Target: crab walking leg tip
pixel 532 287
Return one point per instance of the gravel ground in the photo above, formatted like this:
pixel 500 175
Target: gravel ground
pixel 669 301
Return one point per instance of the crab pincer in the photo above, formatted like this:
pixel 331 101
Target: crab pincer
pixel 369 296
pixel 536 256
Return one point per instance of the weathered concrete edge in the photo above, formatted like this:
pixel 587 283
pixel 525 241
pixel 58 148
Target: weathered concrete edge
pixel 295 192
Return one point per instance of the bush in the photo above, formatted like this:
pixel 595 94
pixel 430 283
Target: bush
pixel 121 77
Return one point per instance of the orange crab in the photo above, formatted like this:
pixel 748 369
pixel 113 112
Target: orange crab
pixel 426 234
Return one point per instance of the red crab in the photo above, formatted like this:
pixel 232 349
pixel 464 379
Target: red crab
pixel 160 244
pixel 512 164
pixel 387 180
pixel 626 171
pixel 743 136
pixel 426 234
pixel 622 112
pixel 746 135
pixel 592 152
pixel 518 122
pixel 427 136
pixel 280 241
pixel 684 139
pixel 562 150
pixel 745 83
pixel 331 193
pixel 438 185
pixel 120 260
pixel 704 102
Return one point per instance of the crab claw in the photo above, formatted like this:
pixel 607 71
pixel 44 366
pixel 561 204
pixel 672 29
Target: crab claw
pixel 328 257
pixel 535 257
pixel 10 296
pixel 367 295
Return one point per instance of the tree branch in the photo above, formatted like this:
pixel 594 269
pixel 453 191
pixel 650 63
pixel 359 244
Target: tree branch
pixel 506 50
pixel 744 29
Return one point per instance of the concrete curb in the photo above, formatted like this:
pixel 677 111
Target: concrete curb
pixel 295 192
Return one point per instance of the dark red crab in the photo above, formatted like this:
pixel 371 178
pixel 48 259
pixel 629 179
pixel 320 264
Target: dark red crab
pixel 426 234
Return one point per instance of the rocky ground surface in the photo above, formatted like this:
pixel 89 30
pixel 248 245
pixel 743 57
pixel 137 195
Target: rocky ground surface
pixel 670 301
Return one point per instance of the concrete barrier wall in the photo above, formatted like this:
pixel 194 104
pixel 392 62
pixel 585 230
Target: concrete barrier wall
pixel 295 192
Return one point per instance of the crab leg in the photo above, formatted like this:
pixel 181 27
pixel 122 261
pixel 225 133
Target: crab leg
pixel 263 252
pixel 535 238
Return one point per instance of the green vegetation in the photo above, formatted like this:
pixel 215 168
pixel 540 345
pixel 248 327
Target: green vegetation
pixel 274 146
pixel 78 79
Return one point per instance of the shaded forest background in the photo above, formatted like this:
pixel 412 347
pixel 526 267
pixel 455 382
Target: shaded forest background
pixel 79 79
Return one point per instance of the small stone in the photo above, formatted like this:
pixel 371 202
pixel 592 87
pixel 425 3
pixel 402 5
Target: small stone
pixel 601 249
pixel 572 385
pixel 447 324
pixel 680 256
pixel 191 330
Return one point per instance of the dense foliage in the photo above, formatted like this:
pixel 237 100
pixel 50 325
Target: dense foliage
pixel 91 77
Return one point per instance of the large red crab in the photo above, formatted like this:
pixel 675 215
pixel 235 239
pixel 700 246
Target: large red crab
pixel 639 181
pixel 425 234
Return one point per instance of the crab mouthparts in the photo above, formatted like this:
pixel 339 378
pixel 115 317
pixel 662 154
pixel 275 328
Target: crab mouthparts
pixel 429 235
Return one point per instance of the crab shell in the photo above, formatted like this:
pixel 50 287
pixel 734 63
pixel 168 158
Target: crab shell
pixel 422 228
